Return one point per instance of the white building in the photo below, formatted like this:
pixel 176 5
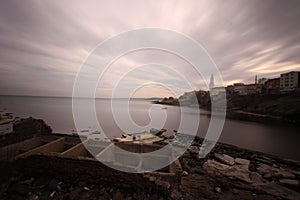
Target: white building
pixel 289 81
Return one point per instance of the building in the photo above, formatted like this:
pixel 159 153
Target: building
pixel 189 98
pixel 242 89
pixel 262 81
pixel 229 89
pixel 290 81
pixel 253 89
pixel 273 86
pixel 217 93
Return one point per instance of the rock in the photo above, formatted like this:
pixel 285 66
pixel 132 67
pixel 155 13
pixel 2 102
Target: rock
pixel 118 196
pixel 243 162
pixel 256 178
pixel 282 173
pixel 235 191
pixel 28 181
pixel 226 159
pixel 233 172
pixel 185 173
pixel 86 188
pixel 290 182
pixel 218 189
pixel 277 191
pixel 269 175
pixel 162 184
pixel 194 150
pixel 265 169
pixel 265 160
pixel 52 194
pixel 238 172
pixel 176 195
pixel 297 173
pixel 212 165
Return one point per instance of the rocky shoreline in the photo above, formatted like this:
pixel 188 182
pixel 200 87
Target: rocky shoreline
pixel 245 116
pixel 227 172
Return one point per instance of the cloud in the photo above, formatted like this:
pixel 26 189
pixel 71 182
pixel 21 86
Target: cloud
pixel 43 43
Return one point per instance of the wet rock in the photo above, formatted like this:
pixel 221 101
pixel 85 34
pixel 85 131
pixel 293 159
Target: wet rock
pixel 290 182
pixel 226 159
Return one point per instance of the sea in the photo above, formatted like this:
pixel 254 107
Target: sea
pixel 119 116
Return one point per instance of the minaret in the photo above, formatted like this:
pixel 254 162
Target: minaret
pixel 212 82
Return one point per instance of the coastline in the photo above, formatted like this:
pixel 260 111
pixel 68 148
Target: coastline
pixel 245 116
pixel 227 172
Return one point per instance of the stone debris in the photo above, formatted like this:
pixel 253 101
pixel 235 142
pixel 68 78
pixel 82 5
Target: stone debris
pixel 226 159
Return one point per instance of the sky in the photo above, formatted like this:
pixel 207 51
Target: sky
pixel 43 43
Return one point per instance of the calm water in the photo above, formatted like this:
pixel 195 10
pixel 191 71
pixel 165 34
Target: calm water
pixel 57 112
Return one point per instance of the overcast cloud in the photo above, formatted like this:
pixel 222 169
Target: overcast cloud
pixel 43 43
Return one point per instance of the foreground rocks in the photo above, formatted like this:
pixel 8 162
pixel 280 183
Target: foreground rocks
pixel 229 172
